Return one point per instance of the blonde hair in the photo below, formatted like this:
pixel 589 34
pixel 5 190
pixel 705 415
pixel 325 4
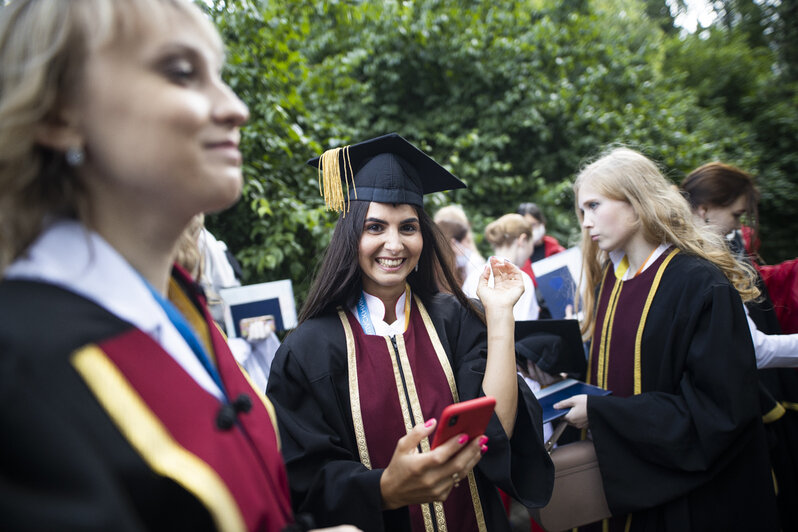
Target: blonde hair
pixel 188 252
pixel 664 216
pixel 43 47
pixel 506 230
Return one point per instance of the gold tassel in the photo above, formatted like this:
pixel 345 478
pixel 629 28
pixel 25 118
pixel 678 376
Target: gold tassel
pixel 331 183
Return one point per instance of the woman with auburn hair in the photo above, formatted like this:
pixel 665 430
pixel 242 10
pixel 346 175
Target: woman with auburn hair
pixel 720 196
pixel 122 406
pixel 680 444
pixel 386 341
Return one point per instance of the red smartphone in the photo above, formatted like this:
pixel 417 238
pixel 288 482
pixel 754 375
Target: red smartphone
pixel 467 417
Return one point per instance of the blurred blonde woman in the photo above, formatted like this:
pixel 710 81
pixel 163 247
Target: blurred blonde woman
pixel 122 407
pixel 680 443
pixel 511 239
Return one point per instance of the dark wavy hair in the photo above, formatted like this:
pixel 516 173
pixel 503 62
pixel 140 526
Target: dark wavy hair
pixel 338 279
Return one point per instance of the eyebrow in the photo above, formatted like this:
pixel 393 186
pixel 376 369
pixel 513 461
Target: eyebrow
pixel 405 221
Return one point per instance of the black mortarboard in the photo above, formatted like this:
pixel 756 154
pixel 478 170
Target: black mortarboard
pixel 554 345
pixel 386 169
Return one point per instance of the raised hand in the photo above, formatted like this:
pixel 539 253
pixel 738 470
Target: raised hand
pixel 413 478
pixel 508 284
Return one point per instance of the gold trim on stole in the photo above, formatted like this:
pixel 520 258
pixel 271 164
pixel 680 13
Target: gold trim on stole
pixel 643 317
pixel 415 406
pixel 774 414
pixel 447 369
pixel 145 432
pixel 606 334
pixel 593 336
pixel 354 392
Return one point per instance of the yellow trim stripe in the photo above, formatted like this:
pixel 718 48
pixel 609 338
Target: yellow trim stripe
pixel 150 438
pixel 266 403
pixel 606 335
pixel 439 351
pixel 638 385
pixel 418 415
pixel 590 353
pixel 354 392
pixel 775 414
pixel 789 406
pixel 447 369
pixel 192 315
pixel 405 408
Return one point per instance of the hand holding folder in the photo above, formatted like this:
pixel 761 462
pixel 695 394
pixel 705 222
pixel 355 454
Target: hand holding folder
pixel 562 390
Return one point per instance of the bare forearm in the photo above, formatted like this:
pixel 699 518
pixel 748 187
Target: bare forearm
pixel 500 375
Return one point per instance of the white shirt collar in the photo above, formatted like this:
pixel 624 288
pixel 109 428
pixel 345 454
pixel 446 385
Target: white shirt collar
pixel 617 256
pixel 72 257
pixel 377 314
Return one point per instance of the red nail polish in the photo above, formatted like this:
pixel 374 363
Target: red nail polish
pixel 483 440
pixel 484 449
pixel 429 422
pixel 463 439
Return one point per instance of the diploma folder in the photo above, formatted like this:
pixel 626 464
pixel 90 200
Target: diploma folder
pixel 555 393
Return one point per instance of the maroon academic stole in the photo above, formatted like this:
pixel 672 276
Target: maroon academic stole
pixel 234 468
pixel 620 319
pixel 394 384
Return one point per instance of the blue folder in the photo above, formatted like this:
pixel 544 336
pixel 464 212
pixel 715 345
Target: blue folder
pixel 555 393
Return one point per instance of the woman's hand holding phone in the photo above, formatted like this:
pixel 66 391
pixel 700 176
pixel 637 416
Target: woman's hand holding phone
pixel 416 478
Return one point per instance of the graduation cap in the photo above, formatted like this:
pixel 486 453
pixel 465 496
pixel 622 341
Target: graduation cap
pixel 386 169
pixel 554 345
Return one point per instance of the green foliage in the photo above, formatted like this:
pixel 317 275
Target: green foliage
pixel 513 96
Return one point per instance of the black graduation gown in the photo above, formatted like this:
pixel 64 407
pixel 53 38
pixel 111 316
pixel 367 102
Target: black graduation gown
pixel 779 399
pixel 64 463
pixel 309 387
pixel 689 452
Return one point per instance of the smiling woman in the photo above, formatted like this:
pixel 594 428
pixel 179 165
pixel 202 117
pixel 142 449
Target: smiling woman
pixel 130 412
pixel 387 340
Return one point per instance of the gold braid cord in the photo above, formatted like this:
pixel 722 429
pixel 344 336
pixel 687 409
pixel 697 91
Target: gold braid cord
pixel 332 183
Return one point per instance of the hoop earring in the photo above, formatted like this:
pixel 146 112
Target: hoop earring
pixel 75 156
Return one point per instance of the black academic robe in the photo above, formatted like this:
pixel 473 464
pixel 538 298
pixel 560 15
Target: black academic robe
pixel 309 387
pixel 77 384
pixel 688 452
pixel 779 408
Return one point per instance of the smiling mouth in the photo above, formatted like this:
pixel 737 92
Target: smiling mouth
pixel 390 263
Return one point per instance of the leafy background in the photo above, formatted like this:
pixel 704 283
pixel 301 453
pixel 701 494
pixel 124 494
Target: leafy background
pixel 511 96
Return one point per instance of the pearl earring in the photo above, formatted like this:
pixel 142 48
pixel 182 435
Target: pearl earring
pixel 75 156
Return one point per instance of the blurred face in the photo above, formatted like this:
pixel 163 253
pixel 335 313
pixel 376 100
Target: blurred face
pixel 389 249
pixel 160 127
pixel 610 223
pixel 724 219
pixel 538 229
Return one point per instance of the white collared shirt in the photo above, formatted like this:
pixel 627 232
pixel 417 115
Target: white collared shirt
pixel 72 257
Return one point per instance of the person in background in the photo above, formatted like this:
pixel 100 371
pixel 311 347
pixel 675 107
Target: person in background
pixel 680 443
pixel 720 196
pixel 386 340
pixel 544 245
pixel 454 224
pixel 511 239
pixel 130 413
pixel 206 260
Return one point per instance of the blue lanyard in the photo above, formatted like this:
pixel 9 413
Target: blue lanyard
pixel 364 316
pixel 188 334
